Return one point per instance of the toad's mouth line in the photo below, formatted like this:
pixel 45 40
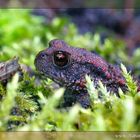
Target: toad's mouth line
pixel 58 81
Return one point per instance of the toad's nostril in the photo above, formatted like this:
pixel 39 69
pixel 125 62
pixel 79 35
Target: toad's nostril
pixel 42 55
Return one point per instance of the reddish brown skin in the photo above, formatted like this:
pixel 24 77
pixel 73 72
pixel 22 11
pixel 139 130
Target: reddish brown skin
pixel 72 75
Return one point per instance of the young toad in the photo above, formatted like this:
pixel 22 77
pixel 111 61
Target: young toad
pixel 68 66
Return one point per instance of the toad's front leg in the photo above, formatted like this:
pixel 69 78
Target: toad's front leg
pixel 72 97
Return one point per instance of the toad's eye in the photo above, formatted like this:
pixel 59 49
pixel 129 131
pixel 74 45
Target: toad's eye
pixel 61 58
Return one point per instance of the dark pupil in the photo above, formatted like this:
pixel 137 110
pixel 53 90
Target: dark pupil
pixel 61 58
